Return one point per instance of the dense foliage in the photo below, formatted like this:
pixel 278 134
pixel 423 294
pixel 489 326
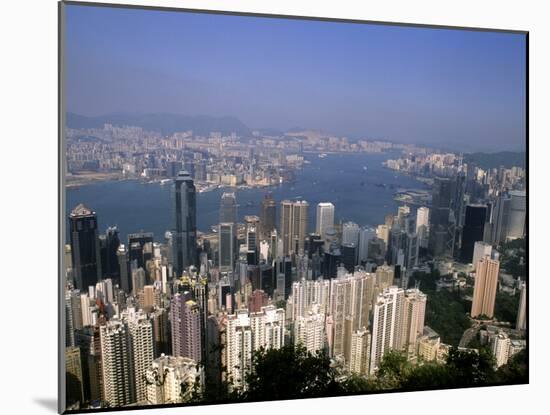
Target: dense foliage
pixel 292 372
pixel 446 312
pixel 506 307
pixel 514 258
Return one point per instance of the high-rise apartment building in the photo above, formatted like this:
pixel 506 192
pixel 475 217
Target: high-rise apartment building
pixel 307 293
pixel 500 346
pixel 140 339
pixel 481 249
pixel 485 287
pixel 384 276
pixel 309 330
pixel 325 218
pixel 116 364
pixel 360 352
pixel 365 235
pixel 74 377
pixel 172 379
pixel 185 222
pixel 414 311
pixel 350 302
pixel 161 331
pixel 185 317
pixel 247 332
pixel 387 324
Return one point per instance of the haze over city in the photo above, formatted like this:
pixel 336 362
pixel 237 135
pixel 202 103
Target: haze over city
pixel 463 90
pixel 273 209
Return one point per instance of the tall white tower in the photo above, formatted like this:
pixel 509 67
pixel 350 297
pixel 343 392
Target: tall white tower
pixel 140 331
pixel 118 382
pixel 309 330
pixel 325 218
pixel 387 324
pixel 246 333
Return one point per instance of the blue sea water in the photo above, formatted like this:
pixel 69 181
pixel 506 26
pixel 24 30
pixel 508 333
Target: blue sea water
pixel 352 182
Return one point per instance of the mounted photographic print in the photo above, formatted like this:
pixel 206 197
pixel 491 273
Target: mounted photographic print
pixel 260 207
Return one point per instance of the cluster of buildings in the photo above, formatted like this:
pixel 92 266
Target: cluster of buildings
pixel 159 321
pixel 212 160
pixel 482 182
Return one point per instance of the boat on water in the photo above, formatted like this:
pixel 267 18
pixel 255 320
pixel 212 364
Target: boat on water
pixel 165 181
pixel 322 155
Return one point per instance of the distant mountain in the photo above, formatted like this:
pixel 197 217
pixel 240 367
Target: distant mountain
pixel 163 123
pixel 494 160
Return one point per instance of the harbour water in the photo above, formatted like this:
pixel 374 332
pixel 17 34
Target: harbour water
pixel 361 189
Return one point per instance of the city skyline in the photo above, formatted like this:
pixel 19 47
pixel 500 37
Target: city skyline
pixel 218 264
pixel 460 89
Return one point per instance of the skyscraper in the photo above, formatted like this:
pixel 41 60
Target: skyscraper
pixel 74 377
pixel 518 210
pixel 306 294
pixel 226 246
pixel 423 225
pixel 267 216
pixel 116 364
pixel 294 223
pixel 441 230
pixel 359 352
pixel 500 218
pixel 124 273
pixel 414 311
pixel 84 247
pixel 185 222
pixel 309 330
pixel 387 324
pixel 325 218
pixel 247 333
pixel 172 379
pixel 185 318
pixel 228 208
pixel 112 242
pixel 350 302
pixel 365 235
pixel 485 287
pixel 481 249
pixel 349 255
pixel 472 231
pixel 521 321
pixel 140 338
pixel 252 236
pixel 350 233
pixel 140 248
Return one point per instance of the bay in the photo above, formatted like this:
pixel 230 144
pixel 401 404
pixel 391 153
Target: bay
pixel 358 185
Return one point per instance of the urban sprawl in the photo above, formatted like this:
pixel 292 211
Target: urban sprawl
pixel 164 321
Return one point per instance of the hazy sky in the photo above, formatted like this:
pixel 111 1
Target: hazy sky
pixel 459 89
